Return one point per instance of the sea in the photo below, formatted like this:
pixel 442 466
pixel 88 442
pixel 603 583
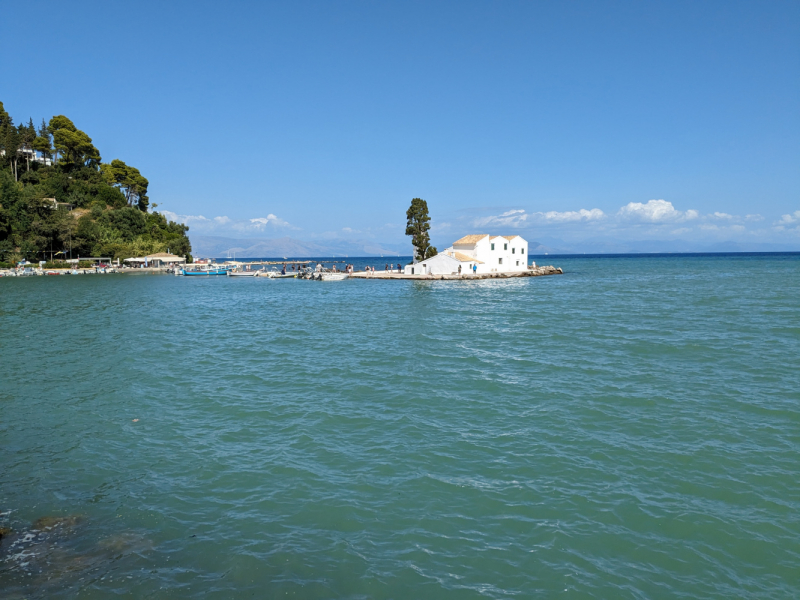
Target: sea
pixel 628 430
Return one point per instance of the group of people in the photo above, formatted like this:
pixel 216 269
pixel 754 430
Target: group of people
pixel 294 267
pixel 347 268
pixel 387 269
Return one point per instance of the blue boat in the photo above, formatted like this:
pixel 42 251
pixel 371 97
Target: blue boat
pixel 216 270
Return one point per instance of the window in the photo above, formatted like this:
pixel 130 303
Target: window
pixel 499 261
pixel 513 251
pixel 522 250
pixel 412 270
pixel 517 263
pixel 505 246
pixel 492 246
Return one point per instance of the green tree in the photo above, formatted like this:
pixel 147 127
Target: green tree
pixel 129 180
pixel 11 145
pixel 59 122
pixel 27 134
pixel 41 143
pixel 417 226
pixel 74 145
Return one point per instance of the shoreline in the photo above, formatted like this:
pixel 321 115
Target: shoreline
pixel 531 272
pixel 366 275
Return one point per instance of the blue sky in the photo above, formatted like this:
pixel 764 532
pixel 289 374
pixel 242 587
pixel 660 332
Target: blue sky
pixel 321 120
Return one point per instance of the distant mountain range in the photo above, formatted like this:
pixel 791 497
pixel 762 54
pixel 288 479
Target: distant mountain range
pixel 614 246
pixel 215 246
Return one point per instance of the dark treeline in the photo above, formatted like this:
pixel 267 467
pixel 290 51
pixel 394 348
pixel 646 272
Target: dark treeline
pixel 58 199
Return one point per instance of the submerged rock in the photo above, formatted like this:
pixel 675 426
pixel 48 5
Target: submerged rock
pixel 5 532
pixel 127 542
pixel 45 523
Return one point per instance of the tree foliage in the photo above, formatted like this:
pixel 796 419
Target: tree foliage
pixel 75 147
pixel 417 226
pixel 129 180
pixel 111 215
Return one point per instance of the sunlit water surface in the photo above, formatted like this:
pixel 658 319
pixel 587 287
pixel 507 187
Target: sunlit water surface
pixel 630 429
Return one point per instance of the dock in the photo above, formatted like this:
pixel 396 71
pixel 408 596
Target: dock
pixel 389 275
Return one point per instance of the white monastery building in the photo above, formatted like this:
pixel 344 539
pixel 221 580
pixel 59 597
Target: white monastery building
pixel 480 253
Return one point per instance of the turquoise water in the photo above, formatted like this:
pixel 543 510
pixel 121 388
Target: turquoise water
pixel 630 429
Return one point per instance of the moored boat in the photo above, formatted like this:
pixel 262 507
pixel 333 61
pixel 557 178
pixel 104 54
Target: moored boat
pixel 210 269
pixel 331 276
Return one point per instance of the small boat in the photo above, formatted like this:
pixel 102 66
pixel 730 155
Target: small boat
pixel 331 276
pixel 273 273
pixel 210 269
pixel 242 273
pixel 206 272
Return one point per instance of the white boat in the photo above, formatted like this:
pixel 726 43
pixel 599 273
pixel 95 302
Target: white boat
pixel 328 276
pixel 242 273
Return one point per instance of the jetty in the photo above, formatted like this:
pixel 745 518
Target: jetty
pixel 394 275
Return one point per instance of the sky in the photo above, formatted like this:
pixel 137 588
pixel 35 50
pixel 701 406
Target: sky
pixel 560 121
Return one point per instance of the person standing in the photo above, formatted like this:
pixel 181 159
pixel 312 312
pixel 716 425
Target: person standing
pixel 474 269
pixel 459 270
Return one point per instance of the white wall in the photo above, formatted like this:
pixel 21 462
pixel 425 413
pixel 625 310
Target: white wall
pixel 441 264
pixel 513 253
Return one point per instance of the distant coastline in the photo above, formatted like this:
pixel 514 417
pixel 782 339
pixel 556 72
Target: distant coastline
pixel 224 247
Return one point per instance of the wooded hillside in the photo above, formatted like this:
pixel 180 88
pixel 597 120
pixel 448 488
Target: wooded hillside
pixel 58 199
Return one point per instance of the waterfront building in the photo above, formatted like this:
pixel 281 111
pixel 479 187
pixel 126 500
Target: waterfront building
pixel 478 253
pixel 160 259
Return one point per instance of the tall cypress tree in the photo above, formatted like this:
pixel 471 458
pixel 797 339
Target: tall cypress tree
pixel 417 226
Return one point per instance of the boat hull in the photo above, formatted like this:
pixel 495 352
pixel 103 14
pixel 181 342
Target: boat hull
pixel 201 273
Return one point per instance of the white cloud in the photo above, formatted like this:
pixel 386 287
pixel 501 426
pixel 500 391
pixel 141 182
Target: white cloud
pixel 185 219
pixel 572 216
pixel 655 211
pixel 722 215
pixel 225 225
pixel 519 218
pixel 754 218
pixel 790 219
pixel 261 222
pixel 510 218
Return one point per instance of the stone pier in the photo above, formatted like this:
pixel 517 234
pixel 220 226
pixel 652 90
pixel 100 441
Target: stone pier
pixel 531 272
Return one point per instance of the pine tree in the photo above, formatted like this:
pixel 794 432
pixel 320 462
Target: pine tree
pixel 27 135
pixel 12 145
